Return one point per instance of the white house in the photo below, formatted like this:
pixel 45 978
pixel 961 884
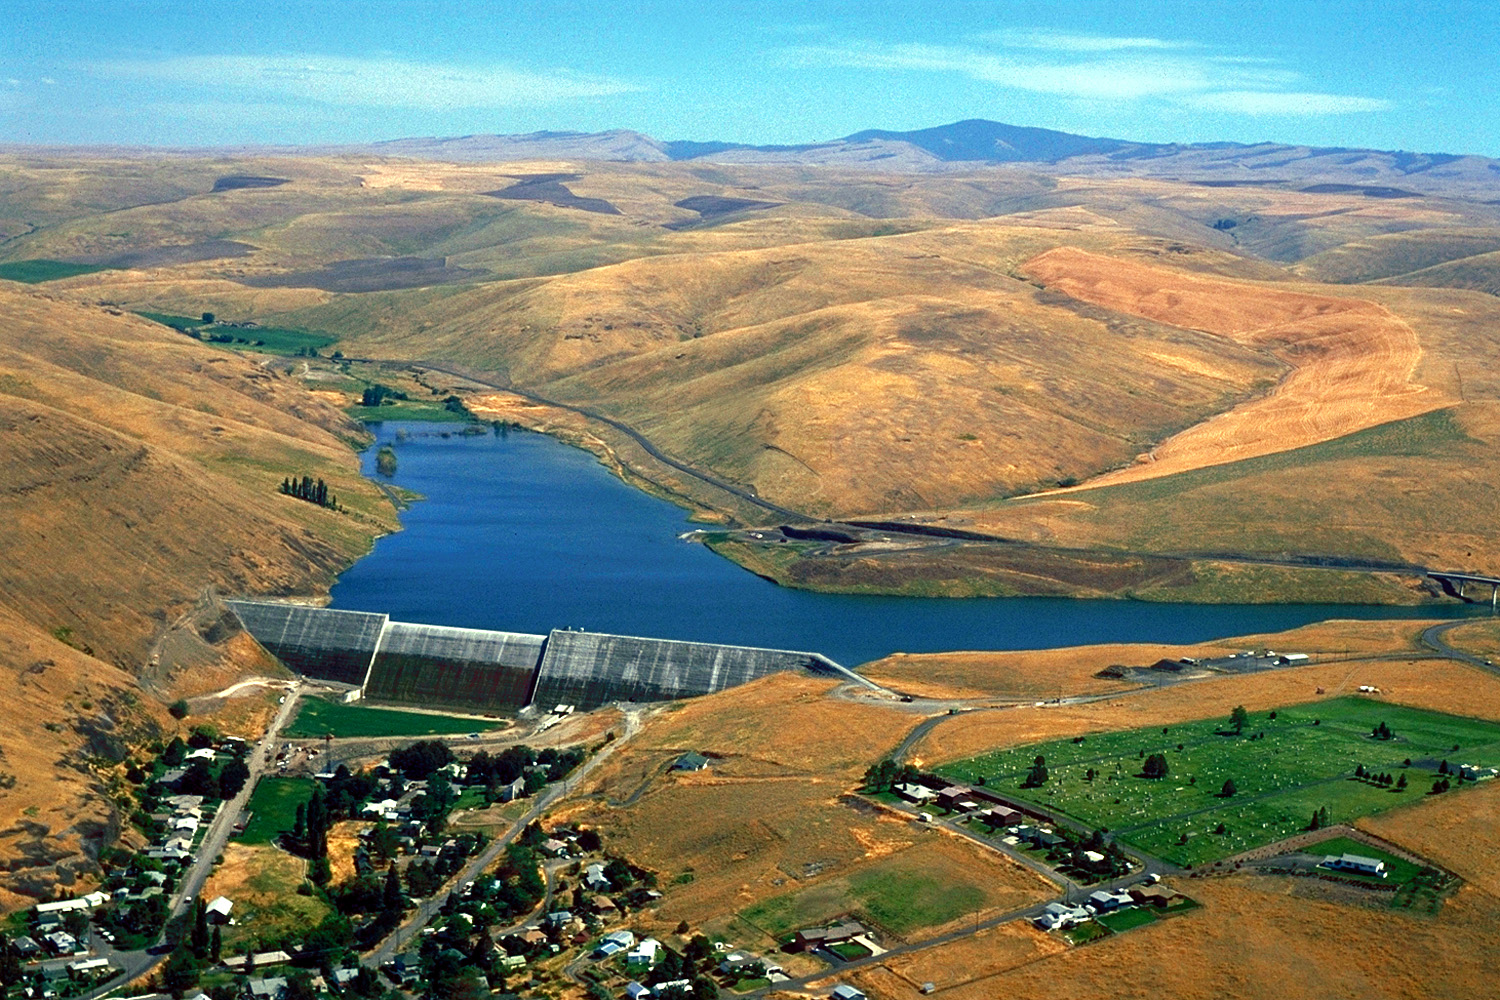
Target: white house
pixel 1107 902
pixel 644 954
pixel 594 879
pixel 842 992
pixel 915 793
pixel 1357 863
pixel 217 912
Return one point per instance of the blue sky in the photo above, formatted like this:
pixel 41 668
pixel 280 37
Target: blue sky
pixel 1394 75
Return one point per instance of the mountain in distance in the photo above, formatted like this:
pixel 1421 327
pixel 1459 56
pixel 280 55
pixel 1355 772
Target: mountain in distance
pixel 978 142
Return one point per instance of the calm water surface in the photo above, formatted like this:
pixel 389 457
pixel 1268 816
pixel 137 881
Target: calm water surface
pixel 525 534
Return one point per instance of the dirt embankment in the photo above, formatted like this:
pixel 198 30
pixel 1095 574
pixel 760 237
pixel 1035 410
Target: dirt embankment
pixel 1352 360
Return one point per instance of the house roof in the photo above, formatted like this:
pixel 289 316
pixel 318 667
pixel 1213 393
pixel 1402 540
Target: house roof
pixel 222 905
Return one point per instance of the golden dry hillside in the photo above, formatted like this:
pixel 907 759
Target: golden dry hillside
pixel 141 471
pixel 843 342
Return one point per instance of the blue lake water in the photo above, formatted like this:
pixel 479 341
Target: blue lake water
pixel 525 534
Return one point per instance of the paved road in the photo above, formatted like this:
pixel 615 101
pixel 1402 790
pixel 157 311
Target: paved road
pixel 135 964
pixel 428 908
pixel 1433 639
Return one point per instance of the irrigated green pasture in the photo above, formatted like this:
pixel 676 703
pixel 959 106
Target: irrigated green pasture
pixel 1283 769
pixel 259 339
pixel 317 718
pixel 273 808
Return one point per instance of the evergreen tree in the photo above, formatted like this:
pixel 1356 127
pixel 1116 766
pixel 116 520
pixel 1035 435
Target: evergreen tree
pixel 1037 776
pixel 1228 790
pixel 199 940
pixel 1239 718
pixel 391 900
pixel 216 945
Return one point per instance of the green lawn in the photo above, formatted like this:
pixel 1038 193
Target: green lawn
pixel 1124 920
pixel 317 718
pixel 1305 761
pixel 273 808
pixel 35 271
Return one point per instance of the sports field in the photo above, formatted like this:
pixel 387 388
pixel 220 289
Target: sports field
pixel 1283 769
pixel 317 718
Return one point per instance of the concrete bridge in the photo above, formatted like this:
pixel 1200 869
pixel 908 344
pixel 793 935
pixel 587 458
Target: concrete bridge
pixel 1454 584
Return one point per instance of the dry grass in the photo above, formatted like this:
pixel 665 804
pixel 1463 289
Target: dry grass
pixel 1253 939
pixel 343 843
pixel 966 961
pixel 262 882
pixel 1440 685
pixel 772 815
pixel 1352 360
pixel 1459 832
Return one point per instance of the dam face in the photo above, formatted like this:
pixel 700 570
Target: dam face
pixel 481 670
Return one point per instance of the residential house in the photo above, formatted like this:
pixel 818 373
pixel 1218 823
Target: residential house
pixel 1056 916
pixel 557 918
pixel 513 791
pixel 25 946
pixel 644 954
pixel 1107 902
pixel 842 992
pixel 269 988
pixel 206 754
pixel 914 793
pixel 1473 772
pixel 88 966
pixel 1154 895
pixel 1357 863
pixel 625 939
pixel 217 912
pixel 634 991
pixel 604 906
pixel 737 962
pixel 594 879
pixel 690 762
pixel 817 937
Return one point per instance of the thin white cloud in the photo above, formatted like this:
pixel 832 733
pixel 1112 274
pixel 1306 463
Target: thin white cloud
pixel 378 82
pixel 1254 102
pixel 1063 42
pixel 1102 68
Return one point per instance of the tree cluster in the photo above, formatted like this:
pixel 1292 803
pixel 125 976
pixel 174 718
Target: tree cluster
pixel 1382 732
pixel 377 395
pixel 418 761
pixel 1320 818
pixel 882 776
pixel 313 491
pixel 1155 767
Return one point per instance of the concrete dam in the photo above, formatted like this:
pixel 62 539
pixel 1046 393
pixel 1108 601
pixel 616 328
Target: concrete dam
pixel 479 670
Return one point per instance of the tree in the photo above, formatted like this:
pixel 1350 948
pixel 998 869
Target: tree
pixel 1401 782
pixel 216 944
pixel 198 779
pixel 199 939
pixel 1239 718
pixel 232 778
pixel 1155 766
pixel 209 317
pixel 1228 790
pixel 391 899
pixel 175 752
pixel 180 974
pixel 178 708
pixel 1037 776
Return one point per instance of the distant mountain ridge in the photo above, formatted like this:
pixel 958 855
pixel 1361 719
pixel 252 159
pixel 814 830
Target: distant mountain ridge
pixel 975 142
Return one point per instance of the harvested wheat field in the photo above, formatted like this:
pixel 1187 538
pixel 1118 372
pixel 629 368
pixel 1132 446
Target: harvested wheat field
pixel 970 960
pixel 1440 685
pixel 1253 938
pixel 1352 360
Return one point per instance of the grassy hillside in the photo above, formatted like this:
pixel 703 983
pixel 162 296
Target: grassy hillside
pixel 141 469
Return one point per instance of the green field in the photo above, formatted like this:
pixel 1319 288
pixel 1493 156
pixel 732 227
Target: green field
pixel 36 271
pixel 273 808
pixel 402 409
pixel 901 895
pixel 317 718
pixel 1304 761
pixel 259 339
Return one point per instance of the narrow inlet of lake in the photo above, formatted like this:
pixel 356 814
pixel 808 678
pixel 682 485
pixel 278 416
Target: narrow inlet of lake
pixel 521 533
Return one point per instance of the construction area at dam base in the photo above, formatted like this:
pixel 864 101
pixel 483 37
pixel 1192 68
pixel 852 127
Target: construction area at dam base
pixel 438 666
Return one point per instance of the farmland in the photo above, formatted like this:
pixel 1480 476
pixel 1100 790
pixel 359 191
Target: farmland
pixel 34 272
pixel 317 718
pixel 1283 770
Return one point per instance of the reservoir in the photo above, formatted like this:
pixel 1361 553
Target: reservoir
pixel 521 533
